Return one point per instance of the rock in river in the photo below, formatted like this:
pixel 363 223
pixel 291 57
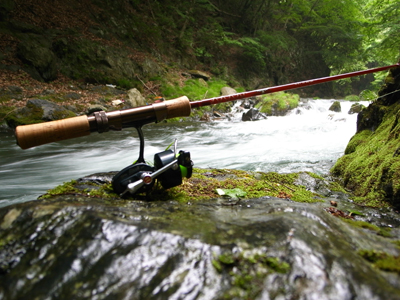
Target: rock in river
pixel 79 246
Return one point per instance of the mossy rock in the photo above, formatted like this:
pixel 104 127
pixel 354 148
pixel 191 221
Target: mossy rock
pixel 336 107
pixel 204 183
pixel 83 238
pixel 370 166
pixel 277 104
pixel 356 108
pixel 37 111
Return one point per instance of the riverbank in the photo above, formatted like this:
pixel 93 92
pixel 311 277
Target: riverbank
pixel 17 87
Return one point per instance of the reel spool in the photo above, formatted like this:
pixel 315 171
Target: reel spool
pixel 173 176
pixel 169 169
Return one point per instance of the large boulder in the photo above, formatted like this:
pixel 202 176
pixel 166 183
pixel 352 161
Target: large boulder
pixel 135 98
pixel 88 243
pixel 226 90
pixel 38 110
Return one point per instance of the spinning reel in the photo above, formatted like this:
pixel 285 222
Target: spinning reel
pixel 169 169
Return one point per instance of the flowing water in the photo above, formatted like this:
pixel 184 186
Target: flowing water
pixel 310 138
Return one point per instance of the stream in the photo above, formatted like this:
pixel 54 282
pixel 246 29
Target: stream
pixel 309 138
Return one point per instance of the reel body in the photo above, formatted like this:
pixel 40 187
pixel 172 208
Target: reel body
pixel 169 169
pixel 131 174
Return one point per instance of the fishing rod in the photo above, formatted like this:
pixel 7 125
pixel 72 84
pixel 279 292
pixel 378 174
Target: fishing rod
pixel 169 166
pixel 38 134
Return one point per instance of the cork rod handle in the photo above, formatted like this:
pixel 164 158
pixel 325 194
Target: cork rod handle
pixel 38 134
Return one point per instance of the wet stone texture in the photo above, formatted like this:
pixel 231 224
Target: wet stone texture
pixel 76 247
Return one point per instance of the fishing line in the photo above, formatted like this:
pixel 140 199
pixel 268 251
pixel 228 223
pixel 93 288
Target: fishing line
pixel 385 95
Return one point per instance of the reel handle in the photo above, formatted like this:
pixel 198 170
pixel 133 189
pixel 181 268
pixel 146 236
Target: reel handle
pixel 135 186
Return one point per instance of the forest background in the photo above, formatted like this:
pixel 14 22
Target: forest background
pixel 247 43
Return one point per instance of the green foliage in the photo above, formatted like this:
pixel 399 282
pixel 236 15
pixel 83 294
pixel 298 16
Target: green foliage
pixel 383 30
pixel 253 52
pixel 367 95
pixel 231 193
pixel 124 83
pixel 352 98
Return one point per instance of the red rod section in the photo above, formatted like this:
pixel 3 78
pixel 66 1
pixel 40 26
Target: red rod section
pixel 285 87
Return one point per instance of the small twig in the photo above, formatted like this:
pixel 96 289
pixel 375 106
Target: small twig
pixel 146 86
pixel 276 189
pixel 288 187
pixel 8 114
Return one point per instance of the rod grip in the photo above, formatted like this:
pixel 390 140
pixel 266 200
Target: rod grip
pixel 38 134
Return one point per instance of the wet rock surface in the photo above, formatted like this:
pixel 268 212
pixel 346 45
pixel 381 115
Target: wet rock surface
pixel 253 115
pixel 336 107
pixel 78 245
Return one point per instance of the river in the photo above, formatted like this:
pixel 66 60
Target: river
pixel 310 138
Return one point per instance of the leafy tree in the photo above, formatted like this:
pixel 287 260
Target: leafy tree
pixel 383 30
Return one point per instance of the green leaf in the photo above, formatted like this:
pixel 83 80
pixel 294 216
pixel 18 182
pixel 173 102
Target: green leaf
pixel 355 212
pixel 231 193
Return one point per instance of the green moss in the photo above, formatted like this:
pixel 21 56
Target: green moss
pixel 370 166
pixel 276 264
pixel 335 186
pixel 204 183
pixel 385 232
pixel 356 140
pixel 226 259
pixel 277 103
pixel 194 89
pixel 102 191
pixel 5 98
pixel 382 260
pixel 397 243
pixel 4 240
pixel 65 188
pixel 216 264
pixel 247 271
pixel 5 111
pixel 362 224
